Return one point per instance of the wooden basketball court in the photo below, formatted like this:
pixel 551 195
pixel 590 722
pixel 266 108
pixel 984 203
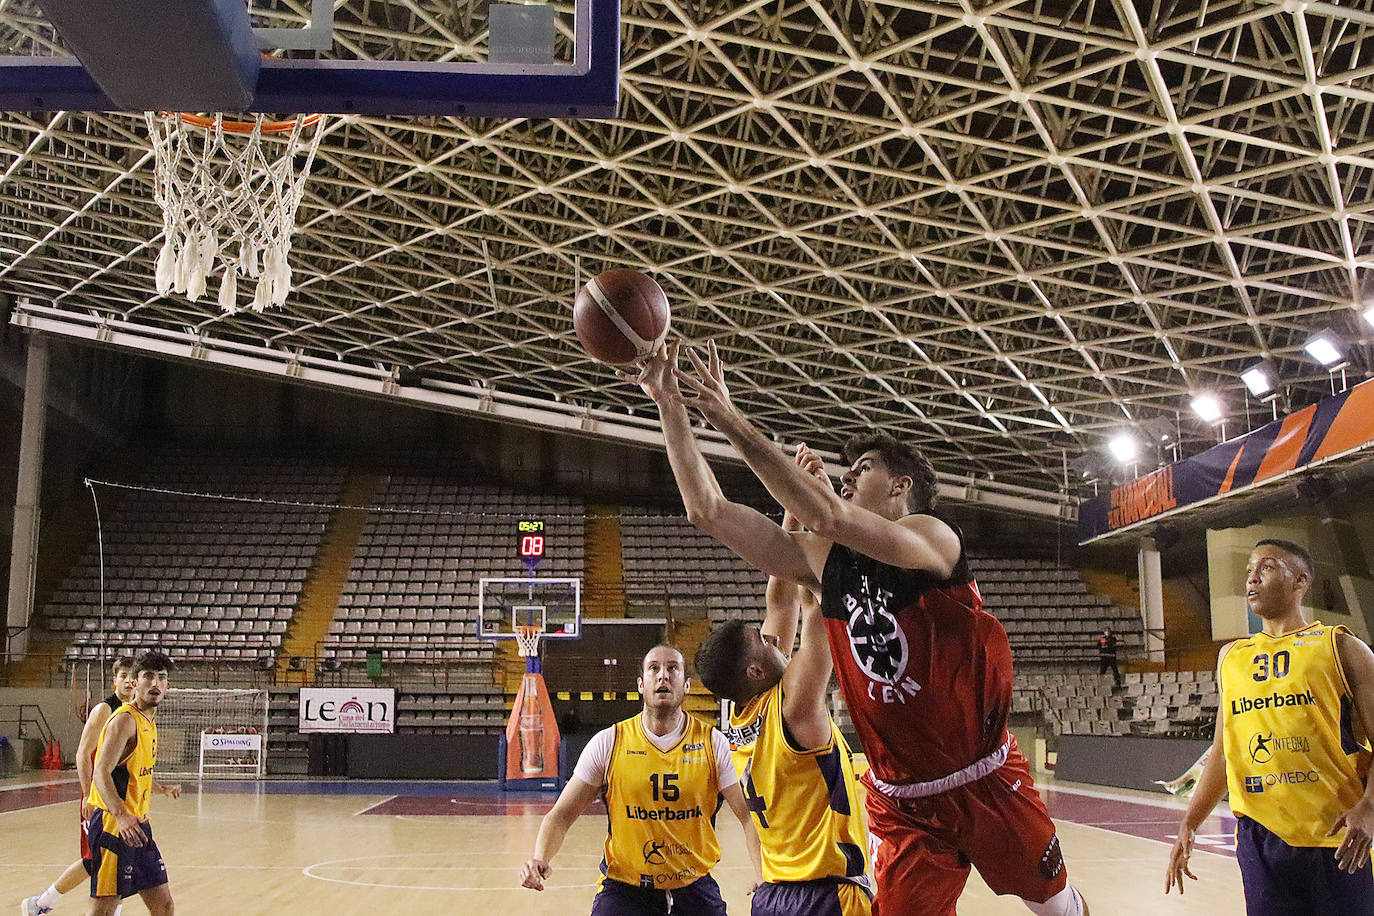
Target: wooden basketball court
pixel 420 848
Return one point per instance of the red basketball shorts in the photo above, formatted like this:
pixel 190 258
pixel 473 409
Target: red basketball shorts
pixel 924 847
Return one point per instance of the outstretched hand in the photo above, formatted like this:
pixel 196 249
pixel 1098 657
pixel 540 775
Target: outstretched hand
pixel 812 464
pixel 654 373
pixel 708 393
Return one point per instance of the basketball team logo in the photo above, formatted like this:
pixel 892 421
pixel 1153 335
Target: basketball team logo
pixel 878 643
pixel 1052 860
pixel 1261 747
pixel 653 853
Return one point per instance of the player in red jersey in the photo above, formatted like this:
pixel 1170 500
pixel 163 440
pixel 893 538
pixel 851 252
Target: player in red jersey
pixel 926 673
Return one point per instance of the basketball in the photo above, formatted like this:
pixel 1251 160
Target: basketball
pixel 620 316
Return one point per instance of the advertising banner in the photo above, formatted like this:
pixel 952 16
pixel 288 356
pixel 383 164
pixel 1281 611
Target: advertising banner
pixel 1330 427
pixel 362 710
pixel 212 741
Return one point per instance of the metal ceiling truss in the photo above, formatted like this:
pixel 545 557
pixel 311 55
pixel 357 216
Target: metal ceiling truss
pixel 1004 230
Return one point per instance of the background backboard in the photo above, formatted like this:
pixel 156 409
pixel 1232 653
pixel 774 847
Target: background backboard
pixel 460 58
pixel 505 603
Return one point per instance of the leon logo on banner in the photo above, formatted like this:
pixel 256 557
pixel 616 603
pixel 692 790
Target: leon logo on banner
pixel 333 709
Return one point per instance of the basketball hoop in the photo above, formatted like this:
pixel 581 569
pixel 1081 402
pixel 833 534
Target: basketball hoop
pixel 229 191
pixel 527 638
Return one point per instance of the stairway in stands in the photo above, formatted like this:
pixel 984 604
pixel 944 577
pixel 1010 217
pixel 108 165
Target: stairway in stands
pixel 320 595
pixel 687 636
pixel 602 565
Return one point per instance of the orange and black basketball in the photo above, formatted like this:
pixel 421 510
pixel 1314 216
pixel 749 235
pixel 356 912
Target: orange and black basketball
pixel 620 316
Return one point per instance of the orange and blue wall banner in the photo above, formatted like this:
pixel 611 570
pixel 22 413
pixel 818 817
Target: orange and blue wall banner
pixel 1331 427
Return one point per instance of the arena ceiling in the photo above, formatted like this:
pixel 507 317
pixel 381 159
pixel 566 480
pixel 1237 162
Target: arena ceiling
pixel 1006 230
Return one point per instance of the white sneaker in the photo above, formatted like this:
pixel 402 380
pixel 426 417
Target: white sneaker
pixel 30 907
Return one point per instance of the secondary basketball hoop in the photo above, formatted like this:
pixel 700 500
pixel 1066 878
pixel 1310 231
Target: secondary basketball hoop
pixel 229 191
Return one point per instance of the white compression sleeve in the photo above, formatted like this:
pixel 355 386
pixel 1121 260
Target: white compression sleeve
pixel 1067 902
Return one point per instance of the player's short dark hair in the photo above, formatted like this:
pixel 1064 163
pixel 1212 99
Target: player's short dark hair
pixel 1292 549
pixel 901 460
pixel 722 659
pixel 121 662
pixel 153 660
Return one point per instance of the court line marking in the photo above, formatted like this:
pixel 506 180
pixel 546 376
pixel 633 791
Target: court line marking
pixel 1132 836
pixel 375 804
pixel 421 887
pixel 371 862
pixel 70 801
pixel 66 781
pixel 1170 802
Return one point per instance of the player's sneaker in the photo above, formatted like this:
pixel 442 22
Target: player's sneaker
pixel 30 907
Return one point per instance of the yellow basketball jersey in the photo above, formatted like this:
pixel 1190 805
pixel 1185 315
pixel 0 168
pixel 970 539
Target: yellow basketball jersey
pixel 1293 760
pixel 133 777
pixel 660 805
pixel 805 802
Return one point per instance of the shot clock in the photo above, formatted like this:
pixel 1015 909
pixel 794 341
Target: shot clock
pixel 531 534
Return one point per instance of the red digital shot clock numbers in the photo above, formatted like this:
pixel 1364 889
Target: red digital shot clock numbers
pixel 531 539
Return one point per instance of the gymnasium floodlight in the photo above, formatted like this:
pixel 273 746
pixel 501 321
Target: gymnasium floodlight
pixel 1207 406
pixel 1325 348
pixel 1369 314
pixel 1259 379
pixel 1124 447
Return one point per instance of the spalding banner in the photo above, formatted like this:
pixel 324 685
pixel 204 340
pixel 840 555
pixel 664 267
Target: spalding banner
pixel 365 710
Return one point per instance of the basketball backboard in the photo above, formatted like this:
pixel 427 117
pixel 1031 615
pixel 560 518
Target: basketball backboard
pixel 506 603
pixel 378 57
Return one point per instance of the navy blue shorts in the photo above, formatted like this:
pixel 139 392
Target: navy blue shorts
pixel 826 897
pixel 700 898
pixel 1283 880
pixel 118 869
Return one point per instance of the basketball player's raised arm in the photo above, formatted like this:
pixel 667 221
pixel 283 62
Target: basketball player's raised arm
pixel 751 535
pixel 573 800
pixel 806 680
pixel 781 602
pixel 1358 664
pixel 916 542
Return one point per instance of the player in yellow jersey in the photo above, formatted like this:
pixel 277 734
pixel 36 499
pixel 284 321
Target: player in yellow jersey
pixel 125 859
pixel 795 766
pixel 80 871
pixel 663 773
pixel 1296 700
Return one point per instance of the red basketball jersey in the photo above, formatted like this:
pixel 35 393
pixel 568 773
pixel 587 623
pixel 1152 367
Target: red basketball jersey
pixel 925 671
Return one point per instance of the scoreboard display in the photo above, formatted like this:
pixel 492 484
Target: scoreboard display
pixel 531 534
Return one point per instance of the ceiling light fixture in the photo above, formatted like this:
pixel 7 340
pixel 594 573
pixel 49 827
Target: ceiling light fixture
pixel 1124 447
pixel 1207 406
pixel 1325 348
pixel 1259 379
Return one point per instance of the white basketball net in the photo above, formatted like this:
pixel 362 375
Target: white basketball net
pixel 229 202
pixel 527 639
